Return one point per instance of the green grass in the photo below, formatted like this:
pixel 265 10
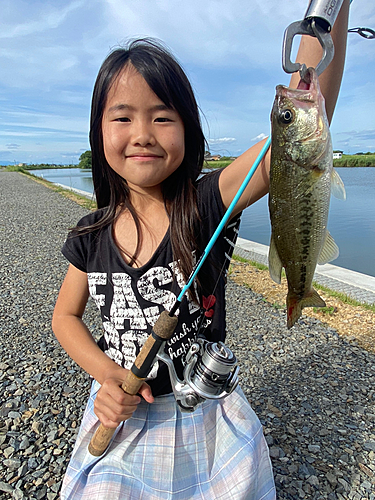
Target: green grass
pixel 67 193
pixel 331 293
pixel 276 305
pixel 14 168
pixel 216 164
pixel 344 298
pixel 325 310
pixel 41 166
pixel 355 161
pixel 257 265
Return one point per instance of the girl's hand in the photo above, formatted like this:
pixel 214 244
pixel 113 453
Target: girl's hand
pixel 112 405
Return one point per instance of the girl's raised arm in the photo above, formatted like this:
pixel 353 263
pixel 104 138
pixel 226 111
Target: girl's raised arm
pixel 310 53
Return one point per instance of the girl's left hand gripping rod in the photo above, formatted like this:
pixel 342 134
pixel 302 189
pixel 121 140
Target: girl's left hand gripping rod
pixel 162 331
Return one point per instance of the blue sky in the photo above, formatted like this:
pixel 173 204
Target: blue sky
pixel 50 53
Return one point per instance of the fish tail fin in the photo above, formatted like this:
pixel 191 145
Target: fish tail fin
pixel 295 305
pixel 294 310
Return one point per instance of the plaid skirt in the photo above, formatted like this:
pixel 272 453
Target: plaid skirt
pixel 217 452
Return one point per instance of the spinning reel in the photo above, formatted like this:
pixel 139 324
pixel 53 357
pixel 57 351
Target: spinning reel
pixel 210 372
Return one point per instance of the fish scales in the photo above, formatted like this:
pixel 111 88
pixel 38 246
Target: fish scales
pixel 299 241
pixel 300 187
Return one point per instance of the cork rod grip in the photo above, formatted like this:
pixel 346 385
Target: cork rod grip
pixel 103 435
pixel 163 330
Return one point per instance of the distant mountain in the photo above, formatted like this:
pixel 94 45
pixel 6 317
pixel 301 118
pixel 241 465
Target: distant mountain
pixel 5 163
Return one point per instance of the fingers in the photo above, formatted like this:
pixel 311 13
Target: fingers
pixel 145 392
pixel 112 405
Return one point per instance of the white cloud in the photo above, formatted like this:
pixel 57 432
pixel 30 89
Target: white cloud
pixel 46 18
pixel 259 137
pixel 50 54
pixel 211 32
pixel 222 140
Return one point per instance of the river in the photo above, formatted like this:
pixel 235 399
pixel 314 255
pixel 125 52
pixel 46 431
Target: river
pixel 350 222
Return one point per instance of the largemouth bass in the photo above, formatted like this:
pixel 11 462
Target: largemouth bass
pixel 301 180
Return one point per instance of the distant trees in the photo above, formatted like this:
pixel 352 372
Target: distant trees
pixel 85 160
pixel 40 166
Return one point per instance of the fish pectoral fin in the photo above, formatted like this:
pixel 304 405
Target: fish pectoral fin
pixel 329 251
pixel 294 305
pixel 337 186
pixel 274 263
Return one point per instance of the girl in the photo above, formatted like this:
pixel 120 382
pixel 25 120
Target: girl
pixel 155 216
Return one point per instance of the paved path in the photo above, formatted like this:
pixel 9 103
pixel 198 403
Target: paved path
pixel 358 286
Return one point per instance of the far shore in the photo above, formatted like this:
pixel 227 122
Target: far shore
pixel 350 161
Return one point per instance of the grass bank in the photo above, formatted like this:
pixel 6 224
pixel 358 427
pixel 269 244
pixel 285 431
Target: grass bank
pixel 71 195
pixel 213 165
pixel 332 293
pixel 350 318
pixel 355 161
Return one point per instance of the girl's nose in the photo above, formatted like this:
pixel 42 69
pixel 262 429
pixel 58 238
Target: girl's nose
pixel 143 134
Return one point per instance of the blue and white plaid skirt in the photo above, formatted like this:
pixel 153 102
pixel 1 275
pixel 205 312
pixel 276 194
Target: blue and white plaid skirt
pixel 217 452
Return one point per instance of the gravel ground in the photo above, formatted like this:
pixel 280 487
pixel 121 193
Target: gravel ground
pixel 312 390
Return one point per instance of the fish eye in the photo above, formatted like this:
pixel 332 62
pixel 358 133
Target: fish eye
pixel 286 116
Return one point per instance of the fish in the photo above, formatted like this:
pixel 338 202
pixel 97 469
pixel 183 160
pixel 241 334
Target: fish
pixel 302 179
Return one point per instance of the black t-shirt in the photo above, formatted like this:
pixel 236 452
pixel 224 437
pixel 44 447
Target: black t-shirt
pixel 131 299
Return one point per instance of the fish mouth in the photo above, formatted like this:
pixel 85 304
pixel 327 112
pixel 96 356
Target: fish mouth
pixel 310 80
pixel 303 85
pixel 307 90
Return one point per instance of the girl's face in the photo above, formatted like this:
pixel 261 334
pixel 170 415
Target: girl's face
pixel 143 139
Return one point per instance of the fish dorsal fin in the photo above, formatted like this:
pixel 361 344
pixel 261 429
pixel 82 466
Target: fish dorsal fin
pixel 337 186
pixel 330 250
pixel 274 263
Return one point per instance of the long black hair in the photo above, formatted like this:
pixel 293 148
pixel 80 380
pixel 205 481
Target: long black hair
pixel 169 82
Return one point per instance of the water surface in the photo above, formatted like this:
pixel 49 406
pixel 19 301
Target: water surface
pixel 350 222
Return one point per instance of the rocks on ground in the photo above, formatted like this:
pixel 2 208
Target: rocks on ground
pixel 312 390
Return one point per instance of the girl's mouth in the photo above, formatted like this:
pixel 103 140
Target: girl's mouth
pixel 143 156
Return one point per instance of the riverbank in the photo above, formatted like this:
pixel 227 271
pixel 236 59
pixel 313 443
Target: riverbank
pixel 349 296
pixel 357 160
pixel 354 217
pixel 312 389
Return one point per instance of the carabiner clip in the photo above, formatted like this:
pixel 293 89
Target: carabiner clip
pixel 307 27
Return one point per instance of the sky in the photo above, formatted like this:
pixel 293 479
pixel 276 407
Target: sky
pixel 51 51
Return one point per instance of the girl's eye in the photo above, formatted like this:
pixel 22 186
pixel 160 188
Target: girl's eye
pixel 122 119
pixel 163 120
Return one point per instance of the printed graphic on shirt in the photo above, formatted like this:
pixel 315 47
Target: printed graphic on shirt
pixel 130 309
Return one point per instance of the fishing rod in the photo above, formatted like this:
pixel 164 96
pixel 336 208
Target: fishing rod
pixel 221 225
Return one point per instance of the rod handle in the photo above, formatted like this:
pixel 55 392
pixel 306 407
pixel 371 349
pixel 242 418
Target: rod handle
pixel 103 435
pixel 162 331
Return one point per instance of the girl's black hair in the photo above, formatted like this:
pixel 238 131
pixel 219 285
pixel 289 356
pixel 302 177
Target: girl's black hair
pixel 169 82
